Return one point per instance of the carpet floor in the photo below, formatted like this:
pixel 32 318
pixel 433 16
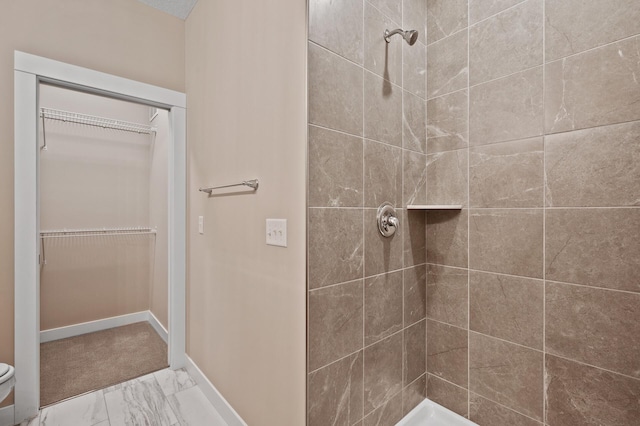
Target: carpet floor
pixel 80 364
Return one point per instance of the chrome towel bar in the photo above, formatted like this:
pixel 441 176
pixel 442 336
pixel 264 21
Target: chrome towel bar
pixel 253 183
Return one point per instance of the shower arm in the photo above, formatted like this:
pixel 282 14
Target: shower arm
pixel 388 34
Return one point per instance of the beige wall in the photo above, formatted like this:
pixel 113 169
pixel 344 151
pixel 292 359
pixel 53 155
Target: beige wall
pixel 246 119
pixel 121 37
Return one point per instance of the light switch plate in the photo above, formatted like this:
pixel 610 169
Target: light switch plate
pixel 277 232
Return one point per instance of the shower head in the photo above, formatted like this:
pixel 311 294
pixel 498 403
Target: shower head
pixel 410 36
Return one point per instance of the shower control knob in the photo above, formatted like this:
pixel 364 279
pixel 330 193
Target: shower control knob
pixel 388 221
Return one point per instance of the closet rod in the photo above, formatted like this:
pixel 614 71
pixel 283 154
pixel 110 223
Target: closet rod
pixel 92 120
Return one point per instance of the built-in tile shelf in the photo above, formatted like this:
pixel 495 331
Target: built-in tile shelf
pixel 434 207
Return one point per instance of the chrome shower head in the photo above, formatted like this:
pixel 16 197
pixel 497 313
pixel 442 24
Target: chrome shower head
pixel 410 36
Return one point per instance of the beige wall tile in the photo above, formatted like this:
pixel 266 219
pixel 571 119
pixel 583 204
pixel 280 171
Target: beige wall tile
pixel 576 25
pixel 447 290
pixel 415 348
pixel 510 308
pixel 447 237
pixel 447 176
pixel 485 412
pixel 383 300
pixel 414 180
pixel 414 394
pixel 414 132
pixel 388 414
pixel 593 88
pixel 594 326
pixel 507 241
pixel 335 91
pixel 447 66
pixel 381 58
pixel 391 8
pixel 382 174
pixel 447 394
pixel 509 174
pixel 447 122
pixel 414 294
pixel 445 17
pixel 506 109
pixel 382 371
pixel 413 228
pixel 335 323
pixel 509 374
pixel 414 17
pixel 594 247
pixel 336 252
pixel 594 167
pixel 382 254
pixel 326 23
pixel 482 9
pixel 382 110
pixel 447 353
pixel 506 43
pixel 335 392
pixel 335 169
pixel 414 68
pixel 578 394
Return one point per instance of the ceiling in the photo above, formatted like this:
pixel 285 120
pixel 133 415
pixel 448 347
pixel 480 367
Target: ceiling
pixel 179 8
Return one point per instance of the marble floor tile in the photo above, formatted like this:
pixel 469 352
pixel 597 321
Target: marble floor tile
pixel 193 409
pixel 138 403
pixel 85 410
pixel 33 422
pixel 173 381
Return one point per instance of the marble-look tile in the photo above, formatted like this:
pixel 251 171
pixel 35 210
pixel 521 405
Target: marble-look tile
pixel 415 347
pixel 414 69
pixel 171 381
pixel 414 132
pixel 507 241
pixel 335 323
pixel 414 294
pixel 447 394
pixel 445 17
pixel 594 88
pixel 382 372
pixel 485 412
pixel 382 110
pixel 506 43
pixel 594 326
pixel 388 414
pixel 581 395
pixel 507 109
pixel 336 252
pixel 594 247
pixel 414 180
pixel 382 306
pixel 447 67
pixel 447 353
pixel 414 394
pixel 447 122
pixel 447 176
pixel 510 308
pixel 414 17
pixel 482 9
pixel 192 408
pixel 335 393
pixel 413 227
pixel 391 8
pixel 382 254
pixel 509 374
pixel 335 91
pixel 447 234
pixel 382 174
pixel 139 403
pixel 381 58
pixel 84 410
pixel 508 174
pixel 335 169
pixel 447 291
pixel 327 19
pixel 35 421
pixel 577 25
pixel 594 167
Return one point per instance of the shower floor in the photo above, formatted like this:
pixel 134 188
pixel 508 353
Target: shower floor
pixel 92 361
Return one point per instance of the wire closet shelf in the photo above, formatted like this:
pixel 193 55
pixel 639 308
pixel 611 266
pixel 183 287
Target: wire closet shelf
pixel 60 233
pixel 92 120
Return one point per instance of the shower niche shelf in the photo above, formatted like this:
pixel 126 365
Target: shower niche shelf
pixel 434 207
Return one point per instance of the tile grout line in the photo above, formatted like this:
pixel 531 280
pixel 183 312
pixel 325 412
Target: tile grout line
pixel 364 244
pixel 544 221
pixel 468 150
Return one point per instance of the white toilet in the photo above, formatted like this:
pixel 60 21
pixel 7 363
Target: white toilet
pixel 6 380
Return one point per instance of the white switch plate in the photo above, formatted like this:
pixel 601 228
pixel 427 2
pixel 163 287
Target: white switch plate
pixel 277 232
pixel 201 224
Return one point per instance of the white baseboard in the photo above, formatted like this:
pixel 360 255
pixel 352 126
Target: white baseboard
pixel 6 416
pixel 213 395
pixel 103 324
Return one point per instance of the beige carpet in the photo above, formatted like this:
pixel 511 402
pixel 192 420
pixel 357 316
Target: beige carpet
pixel 73 366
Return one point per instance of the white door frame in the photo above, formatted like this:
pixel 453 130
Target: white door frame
pixel 29 71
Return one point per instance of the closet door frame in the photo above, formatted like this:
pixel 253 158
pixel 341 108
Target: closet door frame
pixel 29 72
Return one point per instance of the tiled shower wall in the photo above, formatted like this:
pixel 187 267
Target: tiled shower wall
pixel 533 289
pixel 367 145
